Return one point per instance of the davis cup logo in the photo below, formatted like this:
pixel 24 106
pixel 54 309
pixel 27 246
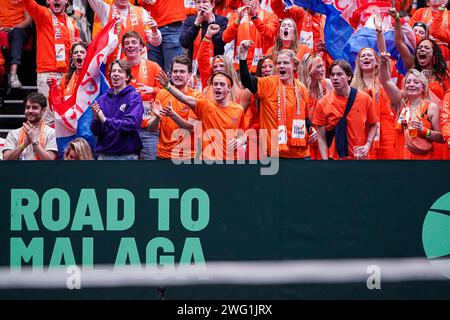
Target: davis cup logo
pixel 436 234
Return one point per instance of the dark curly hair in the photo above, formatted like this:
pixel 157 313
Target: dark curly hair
pixel 439 65
pixel 72 68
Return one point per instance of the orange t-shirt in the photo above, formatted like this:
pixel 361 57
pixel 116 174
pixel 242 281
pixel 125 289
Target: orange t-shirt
pixel 11 14
pixel 167 126
pixel 221 119
pixel 261 31
pixel 268 95
pixel 166 11
pixel 147 78
pixel 330 109
pixel 45 41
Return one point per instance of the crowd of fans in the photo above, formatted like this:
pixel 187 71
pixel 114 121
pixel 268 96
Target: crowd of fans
pixel 233 79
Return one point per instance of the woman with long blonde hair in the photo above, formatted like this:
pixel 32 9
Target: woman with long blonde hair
pixel 417 124
pixel 312 74
pixel 367 79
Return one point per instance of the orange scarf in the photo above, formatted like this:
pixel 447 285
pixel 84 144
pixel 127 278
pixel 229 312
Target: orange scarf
pixel 142 77
pixel 298 137
pixel 60 48
pixel 133 23
pixel 41 137
pixel 406 115
pixel 307 32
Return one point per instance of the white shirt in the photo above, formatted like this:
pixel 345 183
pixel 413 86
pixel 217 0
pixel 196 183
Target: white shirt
pixel 12 139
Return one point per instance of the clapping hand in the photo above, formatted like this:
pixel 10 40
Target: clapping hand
pixel 168 110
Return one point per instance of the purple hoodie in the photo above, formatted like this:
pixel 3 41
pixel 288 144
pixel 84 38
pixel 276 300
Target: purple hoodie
pixel 119 134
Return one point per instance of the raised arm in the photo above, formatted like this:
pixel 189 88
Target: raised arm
pixel 153 36
pixel 248 81
pixel 406 56
pixel 436 29
pixel 296 13
pixel 205 52
pixel 394 93
pixel 33 8
pixel 381 42
pixel 233 24
pixel 268 27
pixel 101 9
pixel 164 81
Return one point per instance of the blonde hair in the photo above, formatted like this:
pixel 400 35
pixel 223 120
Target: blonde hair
pixel 422 78
pixel 308 66
pixel 229 71
pixel 291 54
pixel 81 148
pixel 294 43
pixel 357 81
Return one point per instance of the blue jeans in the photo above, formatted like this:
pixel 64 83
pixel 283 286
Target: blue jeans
pixel 169 48
pixel 16 38
pixel 150 143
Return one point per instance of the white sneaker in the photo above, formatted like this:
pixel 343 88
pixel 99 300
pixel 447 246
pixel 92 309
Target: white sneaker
pixel 14 81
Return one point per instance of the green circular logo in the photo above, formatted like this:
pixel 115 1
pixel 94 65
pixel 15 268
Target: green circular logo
pixel 436 234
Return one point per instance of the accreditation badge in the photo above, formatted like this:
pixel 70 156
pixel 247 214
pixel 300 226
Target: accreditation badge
pixel 298 129
pixel 282 135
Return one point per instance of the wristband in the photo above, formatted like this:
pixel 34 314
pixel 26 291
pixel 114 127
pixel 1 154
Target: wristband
pixel 22 146
pixel 441 8
pixel 425 132
pixel 397 16
pixel 167 87
pixel 206 38
pixel 237 22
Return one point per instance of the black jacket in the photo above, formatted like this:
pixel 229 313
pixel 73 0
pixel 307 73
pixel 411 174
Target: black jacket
pixel 189 32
